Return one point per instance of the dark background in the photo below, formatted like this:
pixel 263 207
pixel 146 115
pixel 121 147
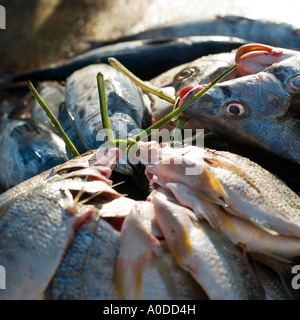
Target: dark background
pixel 41 32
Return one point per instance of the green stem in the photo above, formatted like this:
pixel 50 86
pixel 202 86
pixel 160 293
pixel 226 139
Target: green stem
pixel 54 121
pixel 181 121
pixel 103 109
pixel 145 86
pixel 175 113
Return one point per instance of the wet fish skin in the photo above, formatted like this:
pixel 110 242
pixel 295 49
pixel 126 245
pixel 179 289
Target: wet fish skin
pixel 263 31
pixel 200 71
pixel 213 261
pixel 148 270
pixel 249 191
pixel 264 106
pixel 37 225
pixel 29 256
pixel 271 283
pixel 87 270
pixel 204 70
pixel 84 161
pixel 53 94
pixel 270 202
pixel 27 148
pixel 128 111
pixel 138 55
pixel 239 231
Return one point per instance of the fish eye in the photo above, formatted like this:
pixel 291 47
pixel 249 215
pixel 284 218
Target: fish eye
pixel 293 84
pixel 186 73
pixel 235 109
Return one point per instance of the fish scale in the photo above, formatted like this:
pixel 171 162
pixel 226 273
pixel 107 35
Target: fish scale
pixel 32 248
pixel 87 272
pixel 38 221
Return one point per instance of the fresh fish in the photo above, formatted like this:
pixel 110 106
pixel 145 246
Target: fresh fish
pixel 199 71
pixel 145 268
pixel 269 32
pixel 241 186
pixel 37 226
pixel 216 264
pixel 206 69
pixel 27 148
pixel 271 283
pixel 236 229
pixel 87 270
pixel 252 109
pixel 84 162
pixel 138 55
pixel 53 95
pixel 128 111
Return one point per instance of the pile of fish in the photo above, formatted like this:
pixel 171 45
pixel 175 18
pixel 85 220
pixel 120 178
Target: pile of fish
pixel 214 222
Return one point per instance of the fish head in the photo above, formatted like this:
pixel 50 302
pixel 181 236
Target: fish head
pixel 243 108
pixel 204 70
pixel 31 148
pixel 255 57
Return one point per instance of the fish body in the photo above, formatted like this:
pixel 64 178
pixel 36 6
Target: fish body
pixel 271 283
pixel 53 95
pixel 128 111
pixel 28 148
pixel 37 225
pixel 87 270
pixel 145 268
pixel 216 264
pixel 139 55
pixel 253 108
pixel 248 190
pixel 255 30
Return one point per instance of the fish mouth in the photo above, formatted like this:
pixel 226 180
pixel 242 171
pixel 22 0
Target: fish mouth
pixel 187 92
pixel 255 57
pixel 251 58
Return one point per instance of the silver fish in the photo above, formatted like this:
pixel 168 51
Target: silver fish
pixel 239 185
pixel 127 109
pixel 38 225
pixel 87 270
pixel 216 264
pixel 273 33
pixel 53 94
pixel 27 148
pixel 145 268
pixel 253 108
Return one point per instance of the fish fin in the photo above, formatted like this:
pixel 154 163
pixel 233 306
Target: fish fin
pixel 233 168
pixel 174 230
pixel 215 183
pixel 226 221
pixel 137 249
pixel 266 229
pixel 185 247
